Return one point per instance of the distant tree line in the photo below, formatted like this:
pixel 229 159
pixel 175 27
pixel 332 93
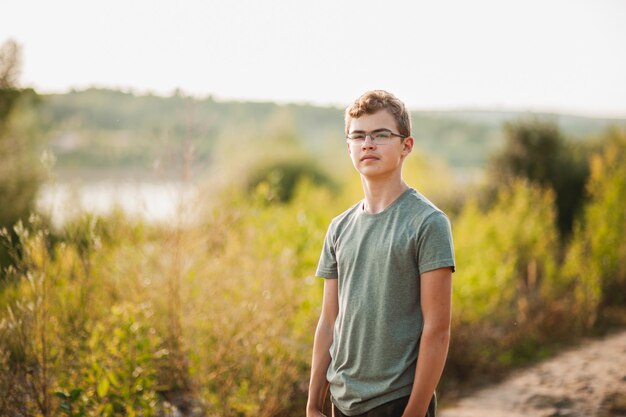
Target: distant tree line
pixel 118 129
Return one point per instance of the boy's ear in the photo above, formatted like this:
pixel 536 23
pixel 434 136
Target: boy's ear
pixel 407 145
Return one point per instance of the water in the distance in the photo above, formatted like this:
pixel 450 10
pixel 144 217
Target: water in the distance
pixel 152 201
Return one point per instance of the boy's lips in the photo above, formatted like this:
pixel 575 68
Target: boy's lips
pixel 368 157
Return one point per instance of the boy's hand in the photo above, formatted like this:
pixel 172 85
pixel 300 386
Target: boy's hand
pixel 314 413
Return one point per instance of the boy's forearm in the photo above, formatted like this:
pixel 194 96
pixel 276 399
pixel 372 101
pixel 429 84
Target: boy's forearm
pixel 317 393
pixel 318 385
pixel 431 360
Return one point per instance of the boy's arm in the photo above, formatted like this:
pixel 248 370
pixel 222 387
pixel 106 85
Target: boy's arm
pixel 436 295
pixel 321 349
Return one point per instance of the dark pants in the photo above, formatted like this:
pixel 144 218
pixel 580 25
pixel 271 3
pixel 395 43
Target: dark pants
pixel 394 408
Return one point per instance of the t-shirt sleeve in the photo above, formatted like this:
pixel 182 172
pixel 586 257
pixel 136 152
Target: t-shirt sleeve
pixel 435 248
pixel 327 265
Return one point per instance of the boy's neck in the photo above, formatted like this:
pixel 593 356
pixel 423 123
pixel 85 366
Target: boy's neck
pixel 380 194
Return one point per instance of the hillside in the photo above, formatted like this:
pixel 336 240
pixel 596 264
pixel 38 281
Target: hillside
pixel 105 131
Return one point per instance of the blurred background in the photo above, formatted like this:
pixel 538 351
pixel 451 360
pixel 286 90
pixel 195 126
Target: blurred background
pixel 168 171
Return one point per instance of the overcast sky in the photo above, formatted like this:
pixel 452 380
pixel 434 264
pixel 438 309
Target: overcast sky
pixel 541 55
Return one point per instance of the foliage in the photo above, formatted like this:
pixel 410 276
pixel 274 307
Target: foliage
pixel 531 150
pixel 20 175
pixel 505 256
pixel 433 178
pixel 62 338
pixel 251 339
pixel 9 74
pixel 595 264
pixel 106 301
pixel 515 298
pixel 503 287
pixel 536 150
pixel 283 177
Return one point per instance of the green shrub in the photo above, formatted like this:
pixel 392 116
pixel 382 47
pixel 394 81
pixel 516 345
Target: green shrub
pixel 595 266
pixel 506 271
pixel 536 150
pixel 116 373
pixel 506 257
pixel 282 177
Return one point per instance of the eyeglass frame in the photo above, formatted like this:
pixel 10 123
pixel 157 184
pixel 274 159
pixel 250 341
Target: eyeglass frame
pixel 352 141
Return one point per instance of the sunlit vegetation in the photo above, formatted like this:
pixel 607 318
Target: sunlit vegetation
pixel 214 315
pixel 594 266
pixel 109 316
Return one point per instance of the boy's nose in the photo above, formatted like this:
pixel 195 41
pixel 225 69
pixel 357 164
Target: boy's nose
pixel 368 144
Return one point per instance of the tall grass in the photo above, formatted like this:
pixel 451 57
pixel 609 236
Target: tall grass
pixel 111 317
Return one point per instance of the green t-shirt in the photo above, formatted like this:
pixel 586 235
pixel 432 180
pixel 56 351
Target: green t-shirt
pixel 378 259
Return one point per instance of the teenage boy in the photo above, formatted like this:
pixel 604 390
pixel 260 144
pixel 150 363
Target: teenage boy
pixel 382 338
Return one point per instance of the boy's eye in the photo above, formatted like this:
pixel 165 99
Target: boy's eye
pixel 381 135
pixel 357 136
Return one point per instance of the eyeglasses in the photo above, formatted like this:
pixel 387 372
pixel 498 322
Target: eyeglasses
pixel 378 137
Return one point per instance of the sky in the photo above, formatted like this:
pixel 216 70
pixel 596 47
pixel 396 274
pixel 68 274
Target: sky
pixel 566 56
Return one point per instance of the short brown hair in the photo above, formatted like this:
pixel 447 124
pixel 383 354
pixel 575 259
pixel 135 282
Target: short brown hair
pixel 376 100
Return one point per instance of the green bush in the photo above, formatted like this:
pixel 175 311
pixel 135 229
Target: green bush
pixel 506 269
pixel 506 257
pixel 537 151
pixel 595 266
pixel 282 177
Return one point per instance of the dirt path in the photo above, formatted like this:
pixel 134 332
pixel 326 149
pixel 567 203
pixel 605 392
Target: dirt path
pixel 588 381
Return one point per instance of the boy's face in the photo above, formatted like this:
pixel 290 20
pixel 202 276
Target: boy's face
pixel 374 160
